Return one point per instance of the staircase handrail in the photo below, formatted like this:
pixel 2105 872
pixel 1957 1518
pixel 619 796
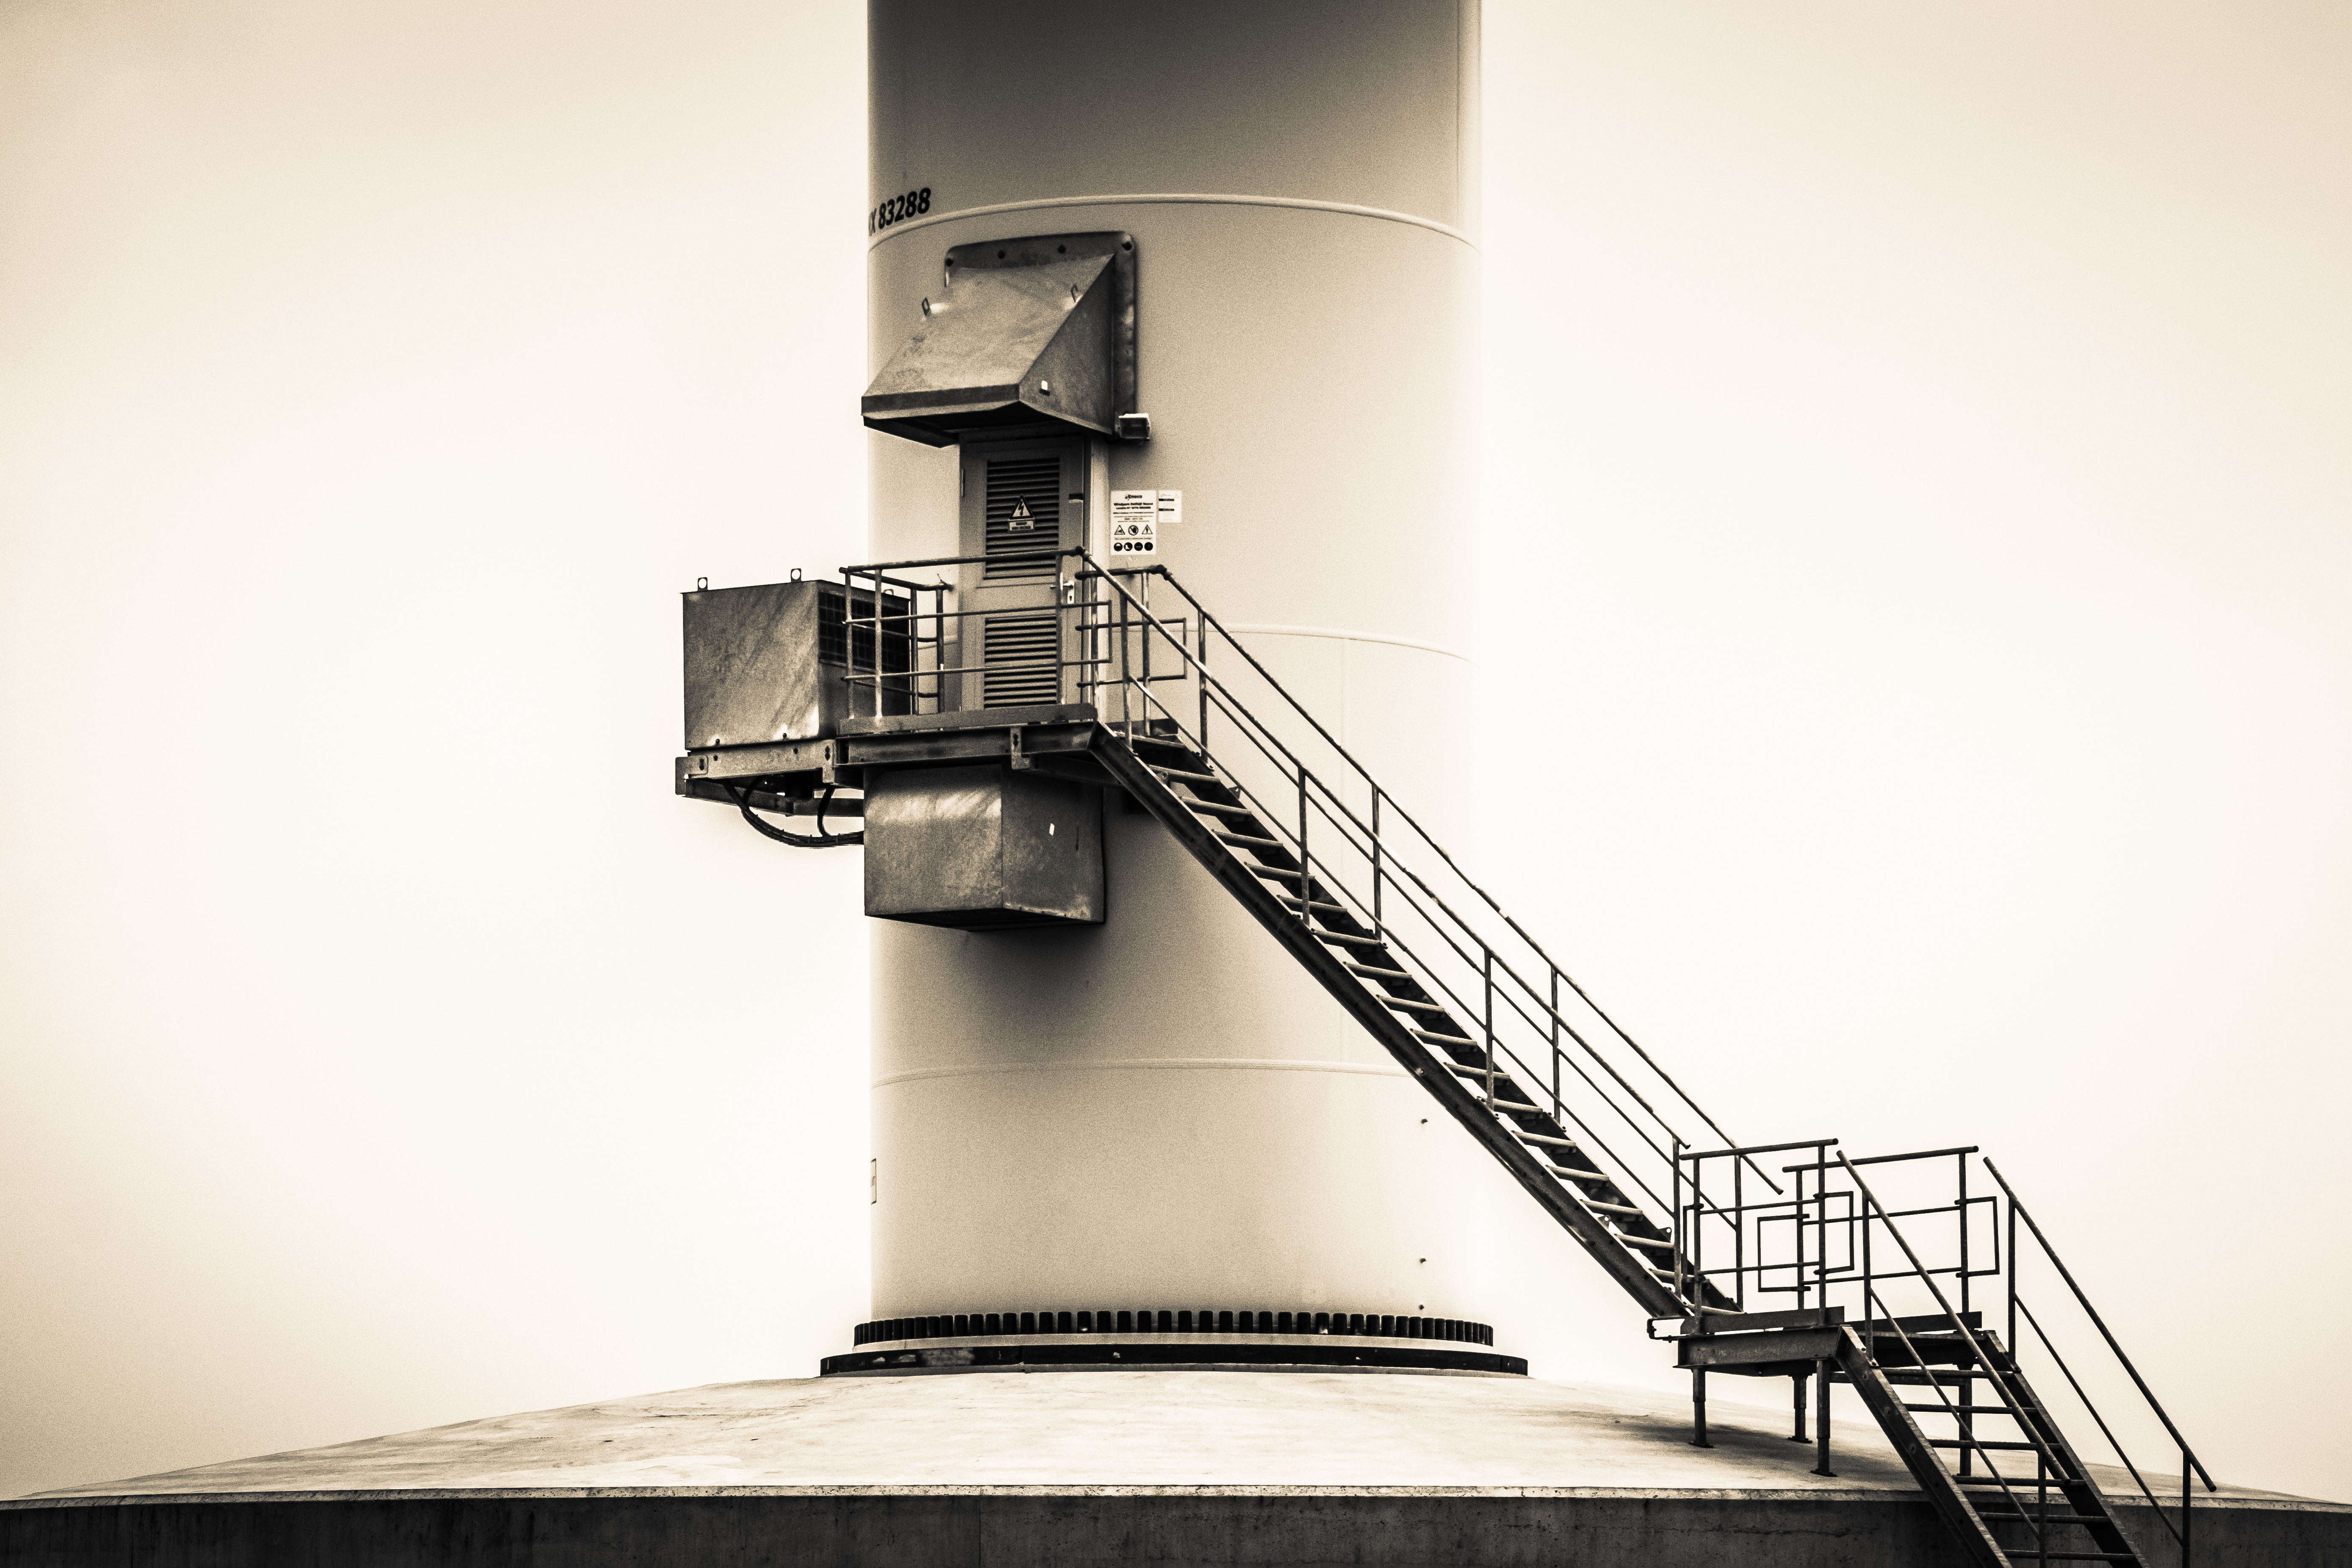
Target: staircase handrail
pixel 2019 1211
pixel 2010 1393
pixel 1201 671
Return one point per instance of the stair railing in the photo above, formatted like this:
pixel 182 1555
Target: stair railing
pixel 1378 865
pixel 2190 1465
pixel 1116 655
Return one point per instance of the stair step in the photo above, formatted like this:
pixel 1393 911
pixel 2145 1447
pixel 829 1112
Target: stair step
pixel 1210 806
pixel 2003 1516
pixel 1407 1005
pixel 2054 1481
pixel 1510 1107
pixel 1369 970
pixel 1183 777
pixel 1573 1172
pixel 1248 841
pixel 1337 938
pixel 1276 874
pixel 1425 1037
pixel 1596 1203
pixel 1653 1246
pixel 1981 1443
pixel 1548 1138
pixel 1963 1409
pixel 1313 904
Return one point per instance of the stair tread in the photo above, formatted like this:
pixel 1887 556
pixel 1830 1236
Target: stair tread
pixel 1313 903
pixel 1407 1004
pixel 1982 1443
pixel 2003 1516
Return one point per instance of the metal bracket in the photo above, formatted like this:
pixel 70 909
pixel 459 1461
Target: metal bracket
pixel 832 757
pixel 1012 746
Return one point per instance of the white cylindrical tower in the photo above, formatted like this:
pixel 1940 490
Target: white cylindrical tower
pixel 1161 1113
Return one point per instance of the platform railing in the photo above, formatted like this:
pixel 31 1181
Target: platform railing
pixel 1916 1266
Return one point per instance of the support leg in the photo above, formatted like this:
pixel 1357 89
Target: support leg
pixel 1822 1417
pixel 1798 1435
pixel 1698 1409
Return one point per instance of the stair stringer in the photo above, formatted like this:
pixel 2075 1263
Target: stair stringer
pixel 1944 1494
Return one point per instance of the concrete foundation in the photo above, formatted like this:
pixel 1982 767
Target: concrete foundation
pixel 1191 1467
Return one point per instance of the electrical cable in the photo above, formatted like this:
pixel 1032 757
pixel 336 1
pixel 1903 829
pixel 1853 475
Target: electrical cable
pixel 821 839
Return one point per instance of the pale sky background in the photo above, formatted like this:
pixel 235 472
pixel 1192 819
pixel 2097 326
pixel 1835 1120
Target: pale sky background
pixel 1916 699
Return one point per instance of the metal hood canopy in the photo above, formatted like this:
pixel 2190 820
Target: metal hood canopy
pixel 1040 330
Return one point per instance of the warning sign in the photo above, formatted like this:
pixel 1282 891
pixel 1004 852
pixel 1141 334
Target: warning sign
pixel 1021 518
pixel 1139 517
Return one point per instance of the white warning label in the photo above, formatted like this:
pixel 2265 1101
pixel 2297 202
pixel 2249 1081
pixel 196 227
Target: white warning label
pixel 1139 517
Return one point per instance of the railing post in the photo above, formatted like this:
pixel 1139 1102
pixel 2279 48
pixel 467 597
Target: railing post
pixel 1555 1042
pixel 849 622
pixel 938 652
pixel 1739 1233
pixel 2009 1278
pixel 1200 677
pixel 1306 866
pixel 1681 1235
pixel 1380 928
pixel 1968 1421
pixel 2186 1497
pixel 1487 1005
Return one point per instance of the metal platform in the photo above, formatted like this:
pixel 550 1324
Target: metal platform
pixel 1878 1296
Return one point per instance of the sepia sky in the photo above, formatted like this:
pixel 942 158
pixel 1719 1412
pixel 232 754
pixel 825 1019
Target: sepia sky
pixel 1914 698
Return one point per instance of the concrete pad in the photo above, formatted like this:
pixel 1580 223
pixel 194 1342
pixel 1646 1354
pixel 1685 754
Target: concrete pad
pixel 1253 1429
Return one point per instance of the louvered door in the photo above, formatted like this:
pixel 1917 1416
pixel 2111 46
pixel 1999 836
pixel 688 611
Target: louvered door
pixel 1023 501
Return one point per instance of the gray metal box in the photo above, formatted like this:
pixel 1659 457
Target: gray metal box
pixel 983 846
pixel 771 662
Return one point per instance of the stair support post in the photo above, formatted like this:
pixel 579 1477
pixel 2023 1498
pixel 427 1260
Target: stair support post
pixel 1698 1409
pixel 1821 1419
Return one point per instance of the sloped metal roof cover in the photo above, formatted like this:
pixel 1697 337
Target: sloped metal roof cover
pixel 1009 343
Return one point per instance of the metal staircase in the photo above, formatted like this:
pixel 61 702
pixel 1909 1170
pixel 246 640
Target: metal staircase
pixel 1272 805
